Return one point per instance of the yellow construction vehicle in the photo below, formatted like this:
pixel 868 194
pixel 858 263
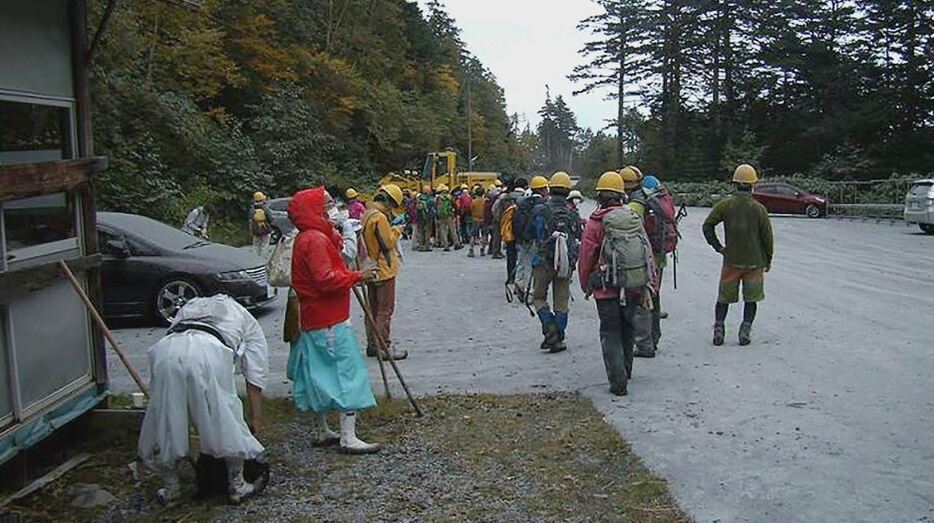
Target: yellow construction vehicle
pixel 440 168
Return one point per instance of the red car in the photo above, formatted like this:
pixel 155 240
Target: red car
pixel 782 198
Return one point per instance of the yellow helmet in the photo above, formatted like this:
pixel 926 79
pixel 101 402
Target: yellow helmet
pixel 393 191
pixel 746 174
pixel 611 181
pixel 351 193
pixel 560 179
pixel 632 177
pixel 443 188
pixel 465 186
pixel 538 182
pixel 492 187
pixel 497 183
pixel 259 197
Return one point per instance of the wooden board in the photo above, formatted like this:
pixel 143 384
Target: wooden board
pixel 34 179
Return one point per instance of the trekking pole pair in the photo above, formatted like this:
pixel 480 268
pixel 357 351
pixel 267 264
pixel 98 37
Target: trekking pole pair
pixel 383 350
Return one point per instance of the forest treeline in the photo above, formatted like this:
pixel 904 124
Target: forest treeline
pixel 213 101
pixel 840 89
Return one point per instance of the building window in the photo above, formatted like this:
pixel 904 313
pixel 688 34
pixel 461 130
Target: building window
pixel 34 132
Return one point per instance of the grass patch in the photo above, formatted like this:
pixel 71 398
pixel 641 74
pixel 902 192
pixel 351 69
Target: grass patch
pixel 546 457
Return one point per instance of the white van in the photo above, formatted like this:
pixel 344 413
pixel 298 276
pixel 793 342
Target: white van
pixel 919 205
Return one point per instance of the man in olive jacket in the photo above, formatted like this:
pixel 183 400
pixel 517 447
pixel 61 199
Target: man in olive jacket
pixel 747 255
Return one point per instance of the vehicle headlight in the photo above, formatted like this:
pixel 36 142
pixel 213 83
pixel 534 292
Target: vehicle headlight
pixel 232 276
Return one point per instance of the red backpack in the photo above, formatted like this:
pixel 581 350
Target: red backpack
pixel 661 224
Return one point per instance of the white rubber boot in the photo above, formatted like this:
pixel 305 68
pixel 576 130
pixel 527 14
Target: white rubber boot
pixel 238 489
pixel 326 436
pixel 171 487
pixel 350 444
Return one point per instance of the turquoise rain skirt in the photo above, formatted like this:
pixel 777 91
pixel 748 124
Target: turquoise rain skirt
pixel 328 372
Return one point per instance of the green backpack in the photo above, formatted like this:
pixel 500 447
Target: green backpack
pixel 626 252
pixel 445 206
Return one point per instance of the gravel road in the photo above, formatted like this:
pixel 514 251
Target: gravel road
pixel 826 417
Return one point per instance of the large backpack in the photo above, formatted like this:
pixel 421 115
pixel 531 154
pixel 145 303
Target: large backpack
pixel 260 220
pixel 506 223
pixel 625 254
pixel 423 208
pixel 661 223
pixel 522 219
pixel 560 217
pixel 445 206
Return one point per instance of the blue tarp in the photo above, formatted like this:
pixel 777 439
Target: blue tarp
pixel 39 427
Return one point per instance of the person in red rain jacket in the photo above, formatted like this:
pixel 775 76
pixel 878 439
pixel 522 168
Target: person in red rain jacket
pixel 617 335
pixel 326 365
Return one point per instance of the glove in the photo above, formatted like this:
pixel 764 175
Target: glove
pixel 398 220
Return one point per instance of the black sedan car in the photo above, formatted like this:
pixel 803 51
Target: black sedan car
pixel 151 269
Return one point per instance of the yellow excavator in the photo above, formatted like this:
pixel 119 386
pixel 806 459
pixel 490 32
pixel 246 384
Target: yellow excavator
pixel 440 168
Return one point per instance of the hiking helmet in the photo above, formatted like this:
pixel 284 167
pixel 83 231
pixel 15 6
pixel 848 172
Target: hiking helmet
pixel 745 174
pixel 538 182
pixel 497 183
pixel 632 177
pixel 560 179
pixel 464 186
pixel 651 184
pixel 575 195
pixel 443 188
pixel 393 191
pixel 259 197
pixel 351 193
pixel 611 181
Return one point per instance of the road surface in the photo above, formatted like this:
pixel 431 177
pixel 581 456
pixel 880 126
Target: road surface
pixel 828 416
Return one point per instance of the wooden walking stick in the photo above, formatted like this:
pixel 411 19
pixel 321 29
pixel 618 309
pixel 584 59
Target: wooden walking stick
pixel 383 346
pixel 100 323
pixel 361 297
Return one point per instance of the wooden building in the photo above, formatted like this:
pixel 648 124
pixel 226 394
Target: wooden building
pixel 53 367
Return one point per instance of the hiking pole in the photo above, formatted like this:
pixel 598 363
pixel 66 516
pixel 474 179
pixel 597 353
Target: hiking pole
pixel 383 346
pixel 103 327
pixel 363 297
pixel 674 258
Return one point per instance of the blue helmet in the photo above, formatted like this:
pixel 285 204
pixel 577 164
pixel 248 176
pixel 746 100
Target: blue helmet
pixel 651 184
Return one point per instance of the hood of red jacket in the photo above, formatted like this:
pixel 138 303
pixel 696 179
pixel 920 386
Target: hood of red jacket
pixel 306 210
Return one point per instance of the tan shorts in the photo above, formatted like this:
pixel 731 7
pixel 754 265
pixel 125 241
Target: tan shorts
pixel 753 281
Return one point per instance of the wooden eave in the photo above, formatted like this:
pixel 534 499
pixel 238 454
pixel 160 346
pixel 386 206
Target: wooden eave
pixel 35 179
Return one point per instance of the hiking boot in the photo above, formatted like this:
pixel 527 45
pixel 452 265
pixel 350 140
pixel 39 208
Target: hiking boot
pixel 745 334
pixel 447 249
pixel 643 354
pixel 498 256
pixel 619 391
pixel 394 355
pixel 371 352
pixel 663 315
pixel 559 346
pixel 470 253
pixel 718 333
pixel 482 251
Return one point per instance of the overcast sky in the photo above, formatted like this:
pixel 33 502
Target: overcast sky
pixel 529 44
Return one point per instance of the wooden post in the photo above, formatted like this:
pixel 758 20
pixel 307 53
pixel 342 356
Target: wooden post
pixel 86 195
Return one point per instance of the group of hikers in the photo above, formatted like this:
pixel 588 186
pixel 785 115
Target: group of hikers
pixel 620 253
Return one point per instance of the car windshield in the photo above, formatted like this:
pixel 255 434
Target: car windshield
pixel 152 231
pixel 921 190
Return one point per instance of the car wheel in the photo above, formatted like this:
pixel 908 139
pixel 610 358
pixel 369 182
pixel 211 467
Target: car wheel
pixel 927 228
pixel 813 211
pixel 274 236
pixel 172 295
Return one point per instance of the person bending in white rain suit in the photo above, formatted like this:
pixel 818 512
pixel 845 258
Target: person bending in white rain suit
pixel 192 371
